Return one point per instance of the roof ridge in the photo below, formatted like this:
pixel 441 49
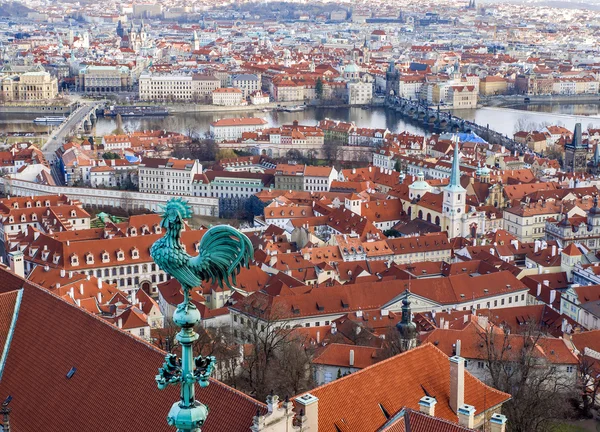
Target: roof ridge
pixel 369 367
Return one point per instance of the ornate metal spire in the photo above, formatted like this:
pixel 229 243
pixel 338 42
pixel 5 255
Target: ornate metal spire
pixel 222 252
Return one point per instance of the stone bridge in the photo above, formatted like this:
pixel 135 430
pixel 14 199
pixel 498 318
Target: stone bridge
pixel 439 121
pixel 79 121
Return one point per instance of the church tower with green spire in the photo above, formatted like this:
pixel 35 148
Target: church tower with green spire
pixel 454 198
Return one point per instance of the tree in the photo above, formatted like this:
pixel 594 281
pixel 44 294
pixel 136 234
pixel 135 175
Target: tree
pixel 119 129
pixel 319 88
pixel 539 394
pixel 332 150
pixel 204 149
pixel 110 155
pixel 254 207
pixel 225 154
pixel 295 156
pixel 588 375
pixel 276 359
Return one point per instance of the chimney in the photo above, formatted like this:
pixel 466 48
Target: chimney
pixel 458 346
pixel 310 405
pixel 553 250
pixel 99 281
pixel 552 296
pixel 99 297
pixel 120 323
pixel 351 361
pixel 17 265
pixel 457 382
pixel 318 336
pixel 539 290
pixel 466 416
pixel 70 274
pixel 442 322
pixel 427 405
pixel 498 423
pixel 81 289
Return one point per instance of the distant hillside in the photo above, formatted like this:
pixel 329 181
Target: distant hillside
pixel 13 9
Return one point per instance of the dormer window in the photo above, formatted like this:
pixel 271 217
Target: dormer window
pixel 135 254
pixel 28 204
pixel 74 260
pixel 73 213
pixel 45 255
pixel 105 257
pixel 38 204
pixel 47 203
pixel 34 217
pixel 157 229
pixel 133 231
pixel 11 219
pixel 120 255
pixel 16 205
pixel 56 258
pixel 89 258
pixel 23 218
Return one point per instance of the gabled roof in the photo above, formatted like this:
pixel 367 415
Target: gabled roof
pixel 393 384
pixel 52 336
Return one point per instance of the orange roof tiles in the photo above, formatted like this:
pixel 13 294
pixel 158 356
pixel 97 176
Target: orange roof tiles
pixel 52 336
pixel 393 384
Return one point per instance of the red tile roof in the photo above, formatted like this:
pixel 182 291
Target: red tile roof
pixel 398 382
pixel 52 336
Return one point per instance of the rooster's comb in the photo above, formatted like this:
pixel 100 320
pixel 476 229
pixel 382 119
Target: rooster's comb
pixel 179 205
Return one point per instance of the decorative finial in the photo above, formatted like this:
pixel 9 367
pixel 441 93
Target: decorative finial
pixel 223 251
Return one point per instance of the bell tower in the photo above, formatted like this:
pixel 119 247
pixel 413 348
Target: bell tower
pixel 454 197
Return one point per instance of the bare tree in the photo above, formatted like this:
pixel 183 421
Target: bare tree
pixel 275 359
pixel 539 393
pixel 588 375
pixel 332 149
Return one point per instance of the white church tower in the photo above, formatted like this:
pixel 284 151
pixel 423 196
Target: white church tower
pixel 454 198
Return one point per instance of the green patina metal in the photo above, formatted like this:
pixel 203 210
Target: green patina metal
pixel 222 253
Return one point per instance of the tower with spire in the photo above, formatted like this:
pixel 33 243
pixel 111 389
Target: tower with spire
pixel 406 327
pixel 453 206
pixel 195 42
pixel 392 79
pixel 576 152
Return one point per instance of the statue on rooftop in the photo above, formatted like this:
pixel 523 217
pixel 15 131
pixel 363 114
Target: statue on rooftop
pixel 223 251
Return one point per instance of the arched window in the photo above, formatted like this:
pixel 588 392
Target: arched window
pixel 437 220
pixel 428 217
pixel 420 214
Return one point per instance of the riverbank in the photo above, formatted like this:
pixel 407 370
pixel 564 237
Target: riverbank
pixel 273 106
pixel 507 101
pixel 37 109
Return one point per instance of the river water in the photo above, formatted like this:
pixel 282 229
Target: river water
pixel 500 119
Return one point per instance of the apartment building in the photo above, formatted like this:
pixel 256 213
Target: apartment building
pixel 248 83
pixel 168 176
pixel 227 96
pixel 195 88
pixel 230 184
pixel 233 128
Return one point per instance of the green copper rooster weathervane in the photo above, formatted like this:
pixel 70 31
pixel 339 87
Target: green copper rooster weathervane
pixel 222 253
